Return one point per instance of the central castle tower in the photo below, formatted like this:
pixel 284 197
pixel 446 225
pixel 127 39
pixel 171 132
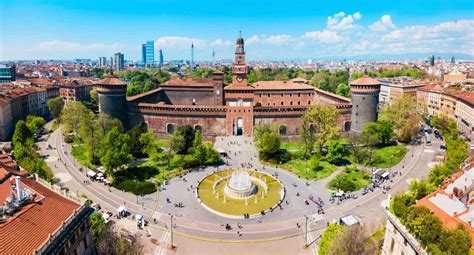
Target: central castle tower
pixel 365 98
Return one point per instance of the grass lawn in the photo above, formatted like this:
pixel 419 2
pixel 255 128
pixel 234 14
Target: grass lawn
pixel 350 179
pixel 55 126
pixel 79 154
pixel 389 156
pixel 300 168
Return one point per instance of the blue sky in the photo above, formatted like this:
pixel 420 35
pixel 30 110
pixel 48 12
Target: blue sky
pixel 272 29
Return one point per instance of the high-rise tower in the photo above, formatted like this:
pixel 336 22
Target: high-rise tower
pixel 119 62
pixel 365 98
pixel 239 70
pixel 161 58
pixel 143 54
pixel 150 53
pixel 192 56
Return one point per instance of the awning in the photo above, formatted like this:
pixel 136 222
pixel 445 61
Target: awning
pixel 91 173
pixel 385 175
pixel 348 220
pixel 221 151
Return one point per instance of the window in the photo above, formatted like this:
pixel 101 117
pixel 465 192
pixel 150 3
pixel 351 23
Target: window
pixel 281 95
pixel 281 102
pixel 309 102
pixel 268 95
pixel 299 94
pixel 198 128
pixel 282 130
pixel 169 128
pixel 291 102
pixel 392 245
pixel 299 102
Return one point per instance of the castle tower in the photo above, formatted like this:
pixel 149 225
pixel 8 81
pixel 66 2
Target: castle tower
pixel 365 98
pixel 239 70
pixel 112 98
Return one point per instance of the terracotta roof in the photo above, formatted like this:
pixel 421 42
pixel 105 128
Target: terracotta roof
pixel 30 227
pixel 365 80
pixel 466 96
pixel 281 85
pixel 112 81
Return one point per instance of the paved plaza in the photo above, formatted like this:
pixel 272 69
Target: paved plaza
pixel 198 228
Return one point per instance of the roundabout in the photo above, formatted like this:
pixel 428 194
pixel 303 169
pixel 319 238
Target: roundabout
pixel 240 194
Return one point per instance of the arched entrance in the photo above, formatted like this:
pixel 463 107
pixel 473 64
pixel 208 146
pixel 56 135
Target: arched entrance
pixel 240 127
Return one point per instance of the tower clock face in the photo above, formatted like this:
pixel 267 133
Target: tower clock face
pixel 240 77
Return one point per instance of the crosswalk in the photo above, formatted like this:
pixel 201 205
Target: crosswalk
pixel 164 239
pixel 313 247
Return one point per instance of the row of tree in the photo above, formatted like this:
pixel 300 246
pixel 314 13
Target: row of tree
pixel 25 148
pixel 426 227
pixel 410 71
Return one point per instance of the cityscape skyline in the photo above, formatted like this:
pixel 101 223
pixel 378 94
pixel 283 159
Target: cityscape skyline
pixel 316 30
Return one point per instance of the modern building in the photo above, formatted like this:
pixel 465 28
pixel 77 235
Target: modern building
pixel 192 57
pixel 40 218
pixel 102 61
pixel 162 61
pixel 119 62
pixel 398 240
pixel 150 53
pixel 365 99
pixel 217 108
pixel 144 54
pixel 7 73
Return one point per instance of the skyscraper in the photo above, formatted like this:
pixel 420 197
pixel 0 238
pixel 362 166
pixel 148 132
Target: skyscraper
pixel 432 60
pixel 143 54
pixel 150 53
pixel 161 58
pixel 119 63
pixel 102 61
pixel 192 56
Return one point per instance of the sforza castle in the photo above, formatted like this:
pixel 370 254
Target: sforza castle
pixel 219 109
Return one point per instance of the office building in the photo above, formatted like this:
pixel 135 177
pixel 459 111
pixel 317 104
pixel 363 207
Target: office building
pixel 102 61
pixel 143 54
pixel 150 53
pixel 7 73
pixel 119 62
pixel 161 58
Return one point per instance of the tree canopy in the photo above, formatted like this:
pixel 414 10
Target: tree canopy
pixel 320 126
pixel 55 106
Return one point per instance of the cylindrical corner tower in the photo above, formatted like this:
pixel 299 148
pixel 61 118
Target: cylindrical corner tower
pixel 365 98
pixel 113 98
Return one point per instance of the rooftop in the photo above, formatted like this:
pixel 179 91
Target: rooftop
pixel 189 82
pixel 31 226
pixel 112 81
pixel 295 84
pixel 365 80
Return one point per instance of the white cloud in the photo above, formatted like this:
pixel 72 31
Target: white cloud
pixel 325 36
pixel 385 23
pixel 252 40
pixel 219 43
pixel 58 45
pixel 341 21
pixel 179 42
pixel 278 39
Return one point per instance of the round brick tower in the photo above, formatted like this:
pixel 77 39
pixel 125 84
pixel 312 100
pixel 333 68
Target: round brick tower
pixel 365 98
pixel 112 98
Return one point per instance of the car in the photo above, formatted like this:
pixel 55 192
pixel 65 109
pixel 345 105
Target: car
pixel 472 146
pixel 443 147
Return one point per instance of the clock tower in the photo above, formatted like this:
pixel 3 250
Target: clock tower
pixel 239 70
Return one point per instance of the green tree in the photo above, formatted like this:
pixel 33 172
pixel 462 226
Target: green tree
pixel 336 151
pixel 148 86
pixel 187 133
pixel 344 90
pixel 353 240
pixel 73 114
pixel 267 141
pixel 328 236
pixel 456 241
pixel 324 120
pixel 55 106
pixel 115 150
pixel 94 95
pixel 404 114
pixel 421 188
pixel 34 123
pixel 22 141
pixel 97 226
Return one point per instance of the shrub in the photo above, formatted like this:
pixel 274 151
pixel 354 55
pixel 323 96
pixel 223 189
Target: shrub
pixel 69 138
pixel 136 187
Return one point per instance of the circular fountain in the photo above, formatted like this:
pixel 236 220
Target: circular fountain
pixel 240 185
pixel 234 193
